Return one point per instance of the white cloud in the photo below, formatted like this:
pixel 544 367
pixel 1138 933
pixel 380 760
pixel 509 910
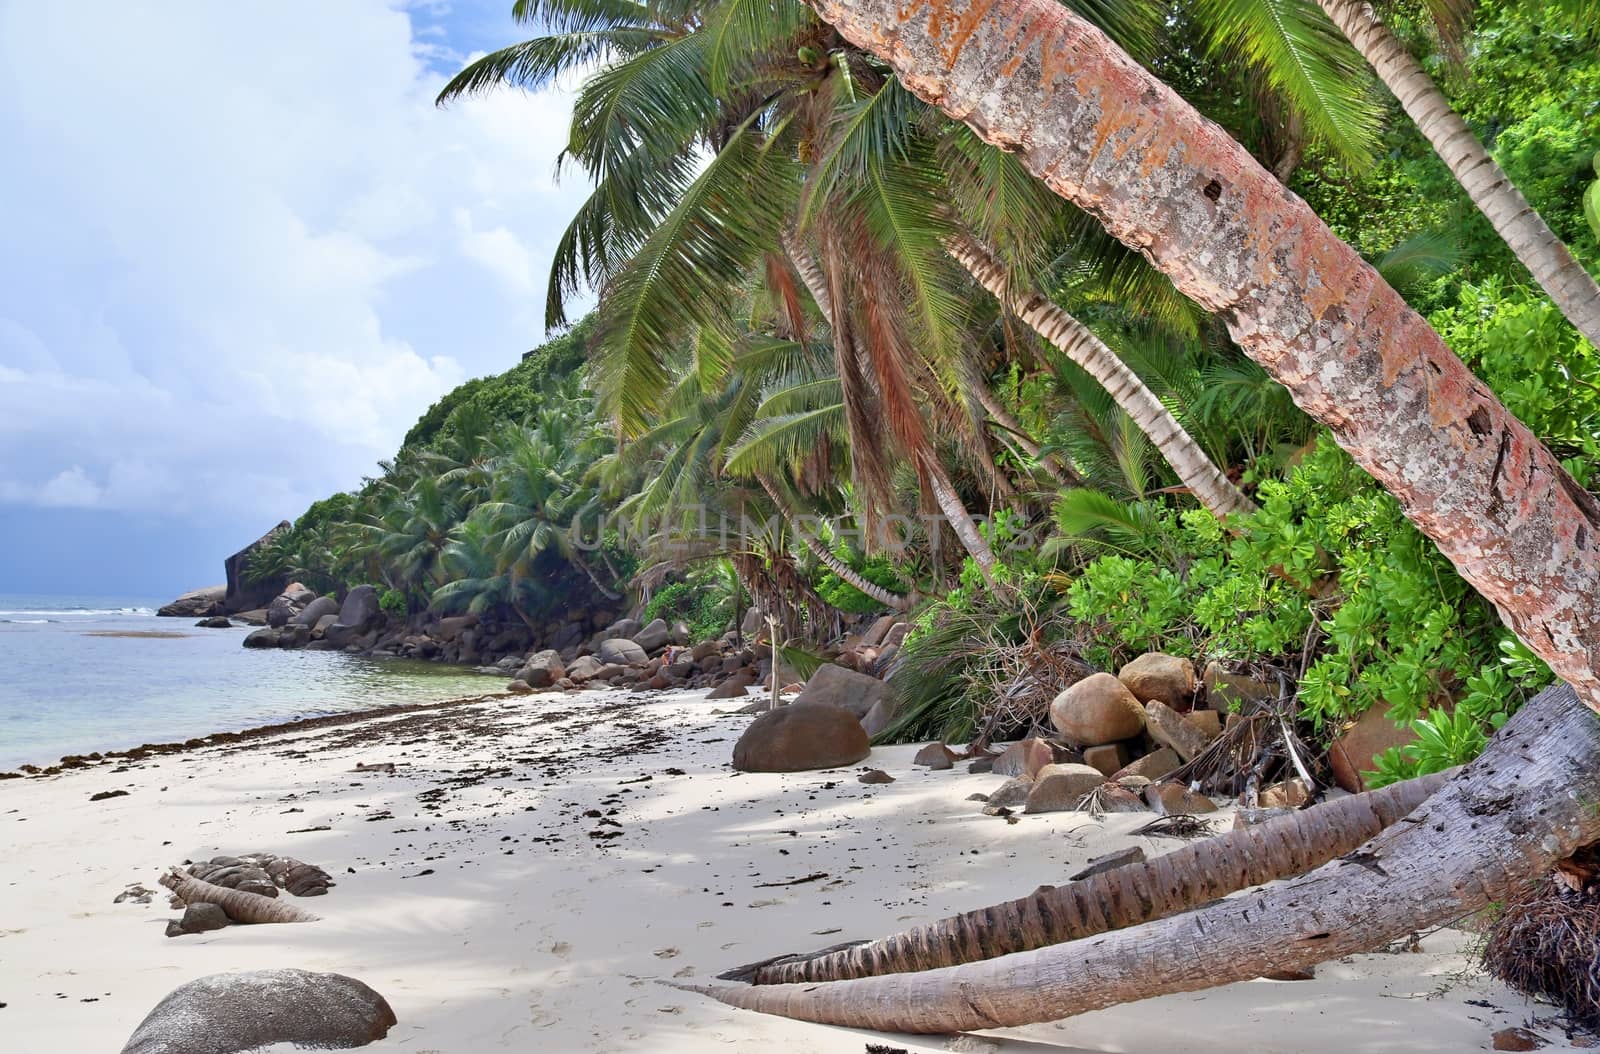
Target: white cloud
pixel 244 250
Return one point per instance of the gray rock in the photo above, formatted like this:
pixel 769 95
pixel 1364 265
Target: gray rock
pixel 1168 727
pixel 622 628
pixel 543 669
pixel 584 668
pixel 360 608
pixel 315 611
pixel 877 631
pixel 299 594
pixel 226 1013
pixel 801 737
pixel 323 625
pixel 680 633
pixel 280 612
pixel 262 638
pixel 623 652
pixel 754 622
pixel 198 918
pixel 455 627
pixel 1026 757
pixel 881 716
pixel 244 595
pixel 837 686
pixel 215 622
pixel 1012 792
pixel 734 687
pixel 653 636
pixel 196 603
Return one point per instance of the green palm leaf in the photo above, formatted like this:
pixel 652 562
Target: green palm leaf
pixel 1305 59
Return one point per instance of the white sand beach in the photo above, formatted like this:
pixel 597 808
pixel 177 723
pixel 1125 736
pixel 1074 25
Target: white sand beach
pixel 473 896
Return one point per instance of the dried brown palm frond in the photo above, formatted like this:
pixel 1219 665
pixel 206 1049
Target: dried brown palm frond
pixel 1546 944
pixel 1178 825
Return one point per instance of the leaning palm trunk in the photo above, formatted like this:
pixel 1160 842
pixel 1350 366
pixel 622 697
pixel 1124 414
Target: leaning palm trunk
pixel 1102 131
pixel 956 514
pixel 1526 803
pixel 1064 475
pixel 1030 75
pixel 1077 342
pixel 1196 874
pixel 944 491
pixel 1521 227
pixel 238 904
pixel 844 571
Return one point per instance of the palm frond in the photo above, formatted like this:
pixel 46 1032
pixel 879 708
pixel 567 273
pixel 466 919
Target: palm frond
pixel 1305 59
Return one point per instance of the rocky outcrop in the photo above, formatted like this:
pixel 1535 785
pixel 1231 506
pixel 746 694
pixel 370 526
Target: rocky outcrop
pixel 198 603
pixel 622 651
pixel 357 614
pixel 1098 709
pixel 1166 678
pixel 224 1013
pixel 801 737
pixel 846 689
pixel 313 612
pixel 243 595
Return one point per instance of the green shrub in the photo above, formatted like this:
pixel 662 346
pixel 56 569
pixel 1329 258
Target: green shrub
pixel 393 602
pixel 700 604
pixel 1328 571
pixel 878 570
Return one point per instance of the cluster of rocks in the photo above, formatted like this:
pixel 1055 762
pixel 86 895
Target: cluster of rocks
pixel 1119 738
pixel 300 618
pixel 263 874
pixel 659 656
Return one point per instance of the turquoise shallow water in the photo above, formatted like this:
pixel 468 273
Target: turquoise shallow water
pixel 64 690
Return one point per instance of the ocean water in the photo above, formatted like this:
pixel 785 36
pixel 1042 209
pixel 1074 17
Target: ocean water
pixel 69 684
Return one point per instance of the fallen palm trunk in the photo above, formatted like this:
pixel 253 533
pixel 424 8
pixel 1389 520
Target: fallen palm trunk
pixel 1510 815
pixel 237 904
pixel 1125 896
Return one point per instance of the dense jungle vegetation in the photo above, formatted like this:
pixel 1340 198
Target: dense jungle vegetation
pixel 813 374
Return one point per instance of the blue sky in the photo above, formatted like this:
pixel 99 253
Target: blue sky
pixel 242 251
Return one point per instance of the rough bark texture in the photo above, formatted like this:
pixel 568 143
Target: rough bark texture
pixel 1547 258
pixel 1125 896
pixel 1526 803
pixel 239 905
pixel 1031 76
pixel 1078 343
pixel 961 521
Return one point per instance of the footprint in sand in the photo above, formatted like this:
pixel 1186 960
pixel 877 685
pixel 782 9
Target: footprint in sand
pixel 668 953
pixel 687 971
pixel 561 949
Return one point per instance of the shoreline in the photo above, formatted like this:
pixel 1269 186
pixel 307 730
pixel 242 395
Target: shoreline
pixel 70 762
pixel 534 865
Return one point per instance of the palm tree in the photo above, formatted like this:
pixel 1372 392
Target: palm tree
pixel 1519 225
pixel 1106 134
pixel 872 180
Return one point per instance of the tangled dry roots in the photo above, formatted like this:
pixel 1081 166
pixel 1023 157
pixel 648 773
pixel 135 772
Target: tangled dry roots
pixel 1547 944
